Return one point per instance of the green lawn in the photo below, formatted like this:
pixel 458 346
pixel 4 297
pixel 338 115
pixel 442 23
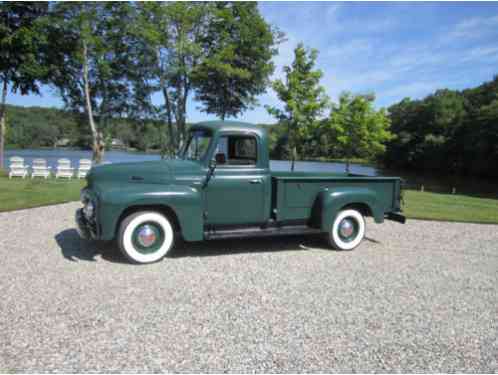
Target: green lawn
pixel 450 207
pixel 18 193
pixel 25 193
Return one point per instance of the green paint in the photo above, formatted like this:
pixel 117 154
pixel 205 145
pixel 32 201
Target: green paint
pixel 236 194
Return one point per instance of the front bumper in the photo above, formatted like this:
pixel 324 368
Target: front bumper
pixel 83 226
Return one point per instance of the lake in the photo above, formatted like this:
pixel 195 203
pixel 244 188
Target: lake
pixel 124 157
pixel 414 180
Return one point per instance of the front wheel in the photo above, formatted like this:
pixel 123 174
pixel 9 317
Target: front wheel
pixel 348 229
pixel 146 237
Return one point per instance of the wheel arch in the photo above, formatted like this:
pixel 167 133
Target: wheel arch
pixel 362 207
pixel 329 203
pixel 163 209
pixel 181 204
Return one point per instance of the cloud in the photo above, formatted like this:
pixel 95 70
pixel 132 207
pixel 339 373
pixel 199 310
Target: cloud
pixel 412 89
pixel 349 49
pixel 473 27
pixel 481 54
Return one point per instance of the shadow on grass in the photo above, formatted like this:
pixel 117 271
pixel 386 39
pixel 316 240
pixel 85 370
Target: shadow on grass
pixel 75 249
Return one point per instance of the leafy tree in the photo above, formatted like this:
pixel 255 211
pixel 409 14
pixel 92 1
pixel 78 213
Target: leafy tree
pixel 358 128
pixel 91 71
pixel 239 45
pixel 453 132
pixel 21 58
pixel 169 36
pixel 219 52
pixel 305 100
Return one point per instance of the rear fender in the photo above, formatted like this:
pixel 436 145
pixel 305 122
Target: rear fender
pixel 329 202
pixel 184 201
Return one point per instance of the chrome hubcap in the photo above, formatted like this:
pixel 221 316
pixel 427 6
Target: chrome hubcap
pixel 346 228
pixel 146 236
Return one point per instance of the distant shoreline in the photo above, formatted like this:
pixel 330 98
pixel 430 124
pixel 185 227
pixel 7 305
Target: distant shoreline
pixel 356 161
pixel 71 148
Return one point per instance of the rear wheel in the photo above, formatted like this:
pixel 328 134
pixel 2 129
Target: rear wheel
pixel 146 237
pixel 348 230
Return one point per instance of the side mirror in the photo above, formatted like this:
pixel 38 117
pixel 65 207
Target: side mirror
pixel 211 168
pixel 220 158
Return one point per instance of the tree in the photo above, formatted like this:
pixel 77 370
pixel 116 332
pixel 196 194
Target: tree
pixel 449 131
pixel 358 128
pixel 21 58
pixel 91 67
pixel 305 100
pixel 169 36
pixel 219 52
pixel 239 45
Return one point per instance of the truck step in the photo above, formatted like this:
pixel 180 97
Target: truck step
pixel 258 232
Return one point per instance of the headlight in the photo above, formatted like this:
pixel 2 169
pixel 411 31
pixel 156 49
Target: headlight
pixel 89 209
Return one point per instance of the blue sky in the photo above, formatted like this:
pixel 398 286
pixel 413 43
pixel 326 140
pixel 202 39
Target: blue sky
pixel 395 50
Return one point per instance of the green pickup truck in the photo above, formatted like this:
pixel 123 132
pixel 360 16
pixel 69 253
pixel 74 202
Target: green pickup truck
pixel 220 185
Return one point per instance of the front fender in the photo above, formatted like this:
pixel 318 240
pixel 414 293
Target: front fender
pixel 329 202
pixel 184 200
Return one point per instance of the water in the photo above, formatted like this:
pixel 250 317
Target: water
pixel 123 157
pixel 51 156
pixel 413 180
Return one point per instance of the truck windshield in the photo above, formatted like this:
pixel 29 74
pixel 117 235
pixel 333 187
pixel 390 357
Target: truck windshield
pixel 197 145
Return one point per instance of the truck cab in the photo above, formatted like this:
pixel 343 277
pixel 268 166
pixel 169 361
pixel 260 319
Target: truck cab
pixel 221 185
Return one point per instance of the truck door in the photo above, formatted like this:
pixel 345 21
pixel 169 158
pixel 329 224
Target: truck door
pixel 236 192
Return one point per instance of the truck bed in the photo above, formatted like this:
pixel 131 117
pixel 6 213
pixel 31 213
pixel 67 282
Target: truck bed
pixel 294 193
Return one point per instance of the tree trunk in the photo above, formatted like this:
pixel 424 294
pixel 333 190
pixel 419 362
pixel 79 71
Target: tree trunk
pixel 293 158
pixel 97 139
pixel 183 88
pixel 349 155
pixel 171 132
pixel 172 144
pixel 2 122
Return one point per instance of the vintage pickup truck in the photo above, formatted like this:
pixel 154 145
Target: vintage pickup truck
pixel 220 185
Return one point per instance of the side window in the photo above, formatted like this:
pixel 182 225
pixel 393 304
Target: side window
pixel 235 150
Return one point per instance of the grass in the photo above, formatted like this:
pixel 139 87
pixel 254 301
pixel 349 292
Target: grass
pixel 450 207
pixel 20 193
pixel 26 193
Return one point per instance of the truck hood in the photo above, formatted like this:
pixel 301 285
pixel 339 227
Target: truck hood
pixel 149 172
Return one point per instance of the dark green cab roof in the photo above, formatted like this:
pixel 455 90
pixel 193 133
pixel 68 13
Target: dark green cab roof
pixel 230 125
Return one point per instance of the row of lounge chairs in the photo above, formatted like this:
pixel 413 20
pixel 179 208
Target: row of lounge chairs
pixel 39 168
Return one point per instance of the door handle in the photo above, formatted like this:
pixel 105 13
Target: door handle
pixel 255 181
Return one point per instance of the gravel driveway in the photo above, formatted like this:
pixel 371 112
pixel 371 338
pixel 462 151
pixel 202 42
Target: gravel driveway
pixel 420 297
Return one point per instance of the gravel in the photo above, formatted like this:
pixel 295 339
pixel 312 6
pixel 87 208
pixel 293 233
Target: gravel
pixel 420 297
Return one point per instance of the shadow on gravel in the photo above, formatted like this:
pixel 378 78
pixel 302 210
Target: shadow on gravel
pixel 371 240
pixel 75 249
pixel 248 245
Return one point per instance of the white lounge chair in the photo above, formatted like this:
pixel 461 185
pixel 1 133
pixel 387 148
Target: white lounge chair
pixel 17 167
pixel 64 169
pixel 40 169
pixel 84 167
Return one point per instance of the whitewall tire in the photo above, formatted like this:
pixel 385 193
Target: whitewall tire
pixel 348 230
pixel 146 237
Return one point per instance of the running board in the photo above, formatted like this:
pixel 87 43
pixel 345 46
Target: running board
pixel 259 232
pixel 396 216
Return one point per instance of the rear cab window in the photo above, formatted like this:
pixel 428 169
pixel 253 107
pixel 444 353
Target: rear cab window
pixel 238 150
